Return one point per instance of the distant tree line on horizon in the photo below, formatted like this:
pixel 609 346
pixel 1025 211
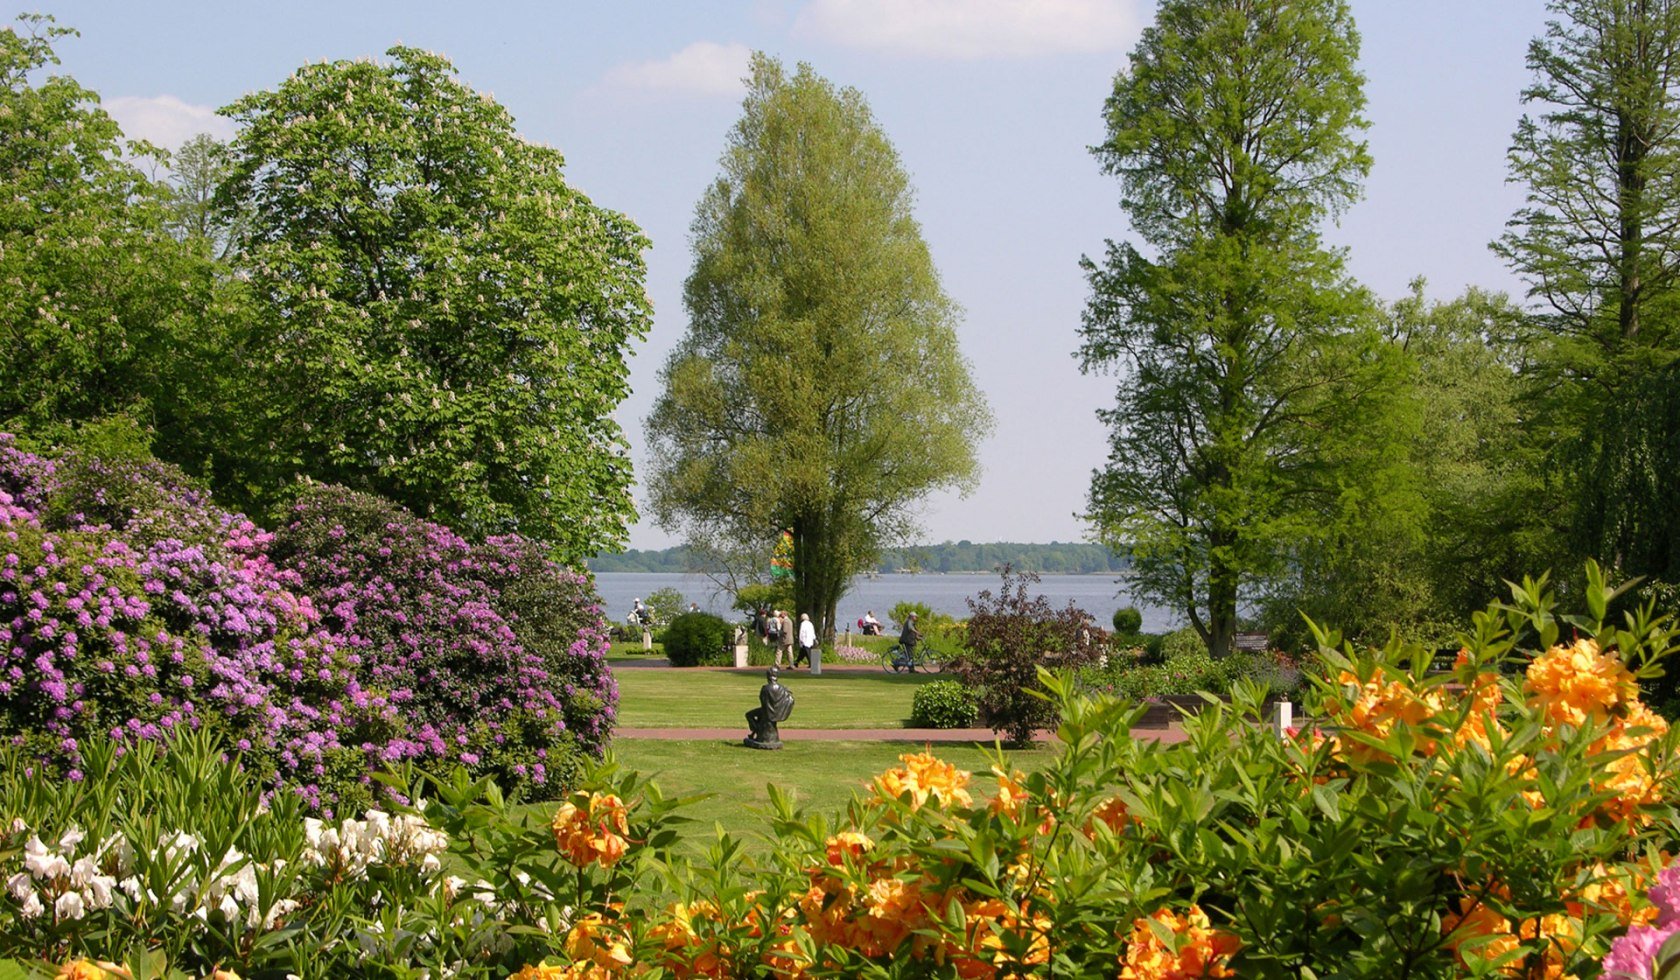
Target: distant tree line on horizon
pixel 1055 558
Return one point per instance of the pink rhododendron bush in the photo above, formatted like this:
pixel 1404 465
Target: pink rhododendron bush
pixel 357 639
pixel 1515 817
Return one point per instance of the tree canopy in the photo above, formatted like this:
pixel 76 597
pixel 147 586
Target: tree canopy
pixel 1598 241
pixel 820 387
pixel 438 316
pixel 99 306
pixel 1253 377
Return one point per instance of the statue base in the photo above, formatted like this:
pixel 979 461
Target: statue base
pixel 753 743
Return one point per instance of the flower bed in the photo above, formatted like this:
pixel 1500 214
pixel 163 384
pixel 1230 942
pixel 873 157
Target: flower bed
pixel 1488 822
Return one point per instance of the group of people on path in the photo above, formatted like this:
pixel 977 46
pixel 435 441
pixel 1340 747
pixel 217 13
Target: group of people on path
pixel 776 629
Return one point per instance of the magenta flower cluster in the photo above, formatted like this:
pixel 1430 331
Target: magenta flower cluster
pixel 1634 955
pixel 131 606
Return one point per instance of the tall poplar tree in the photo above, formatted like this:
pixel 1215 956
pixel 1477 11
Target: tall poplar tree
pixel 1251 370
pixel 1598 242
pixel 820 387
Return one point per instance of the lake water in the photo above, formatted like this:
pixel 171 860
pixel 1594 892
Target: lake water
pixel 1099 595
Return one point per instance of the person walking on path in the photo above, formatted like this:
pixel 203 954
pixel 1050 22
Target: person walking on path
pixel 784 637
pixel 907 641
pixel 807 639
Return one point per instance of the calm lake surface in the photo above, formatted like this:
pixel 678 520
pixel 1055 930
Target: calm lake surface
pixel 1098 595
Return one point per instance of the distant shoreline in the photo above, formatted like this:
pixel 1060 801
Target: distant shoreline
pixel 958 558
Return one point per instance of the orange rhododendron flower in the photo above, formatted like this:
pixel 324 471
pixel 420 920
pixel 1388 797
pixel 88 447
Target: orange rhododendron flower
pixel 1378 707
pixel 593 833
pixel 924 775
pixel 848 844
pixel 1111 812
pixel 1576 682
pixel 571 971
pixel 1469 929
pixel 1631 776
pixel 1197 949
pixel 1011 793
pixel 594 940
pixel 89 970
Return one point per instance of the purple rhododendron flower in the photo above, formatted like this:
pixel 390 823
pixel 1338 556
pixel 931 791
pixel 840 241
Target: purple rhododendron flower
pixel 358 633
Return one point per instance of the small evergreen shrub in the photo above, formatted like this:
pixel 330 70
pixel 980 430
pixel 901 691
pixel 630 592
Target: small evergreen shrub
pixel 943 704
pixel 1127 621
pixel 697 639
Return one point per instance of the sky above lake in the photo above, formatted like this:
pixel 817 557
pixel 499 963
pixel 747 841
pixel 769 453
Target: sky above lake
pixel 992 105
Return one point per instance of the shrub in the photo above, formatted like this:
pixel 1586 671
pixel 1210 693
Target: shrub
pixel 1009 638
pixel 698 638
pixel 434 637
pixel 1183 645
pixel 943 704
pixel 1127 621
pixel 131 605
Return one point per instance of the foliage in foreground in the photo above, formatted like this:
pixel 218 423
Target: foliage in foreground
pixel 1505 820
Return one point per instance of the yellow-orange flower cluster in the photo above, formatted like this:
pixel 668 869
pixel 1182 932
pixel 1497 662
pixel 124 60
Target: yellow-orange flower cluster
pixel 570 971
pixel 990 928
pixel 1574 683
pixel 926 776
pixel 1377 707
pixel 1197 949
pixel 594 832
pixel 595 942
pixel 89 970
pixel 1478 933
pixel 873 920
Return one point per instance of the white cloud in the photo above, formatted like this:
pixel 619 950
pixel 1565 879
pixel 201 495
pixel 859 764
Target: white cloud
pixel 166 120
pixel 969 29
pixel 702 68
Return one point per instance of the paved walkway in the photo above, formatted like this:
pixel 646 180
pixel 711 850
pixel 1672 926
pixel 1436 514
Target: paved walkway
pixel 908 736
pixel 792 733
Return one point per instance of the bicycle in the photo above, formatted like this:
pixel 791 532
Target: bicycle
pixel 925 658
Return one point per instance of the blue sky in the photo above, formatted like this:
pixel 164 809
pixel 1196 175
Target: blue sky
pixel 991 104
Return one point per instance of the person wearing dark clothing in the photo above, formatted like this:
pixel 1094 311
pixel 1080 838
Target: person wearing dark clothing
pixel 907 641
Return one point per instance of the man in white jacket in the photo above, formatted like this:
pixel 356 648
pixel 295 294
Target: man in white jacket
pixel 807 639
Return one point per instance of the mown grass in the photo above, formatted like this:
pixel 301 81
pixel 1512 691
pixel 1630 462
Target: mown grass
pixel 820 776
pixel 652 698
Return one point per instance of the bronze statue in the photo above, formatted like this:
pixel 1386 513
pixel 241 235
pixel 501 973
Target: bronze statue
pixel 775 703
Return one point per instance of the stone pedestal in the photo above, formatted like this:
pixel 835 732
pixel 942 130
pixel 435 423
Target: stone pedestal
pixel 816 659
pixel 740 655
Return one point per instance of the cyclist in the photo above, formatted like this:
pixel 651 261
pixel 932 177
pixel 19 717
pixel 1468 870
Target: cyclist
pixel 907 641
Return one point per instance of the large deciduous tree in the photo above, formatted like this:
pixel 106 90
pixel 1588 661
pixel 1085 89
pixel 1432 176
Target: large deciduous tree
pixel 99 306
pixel 819 387
pixel 440 318
pixel 1250 368
pixel 1598 242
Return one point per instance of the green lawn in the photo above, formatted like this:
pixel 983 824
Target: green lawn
pixel 821 776
pixel 721 699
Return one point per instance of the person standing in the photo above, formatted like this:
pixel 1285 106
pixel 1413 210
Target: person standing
pixel 784 637
pixel 807 639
